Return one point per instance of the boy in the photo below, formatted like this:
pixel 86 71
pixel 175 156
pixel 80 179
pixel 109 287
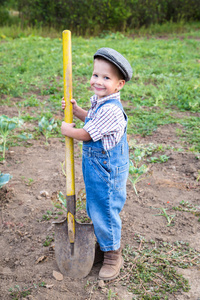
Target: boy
pixel 105 159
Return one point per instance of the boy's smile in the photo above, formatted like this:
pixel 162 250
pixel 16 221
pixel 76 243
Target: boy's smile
pixel 105 80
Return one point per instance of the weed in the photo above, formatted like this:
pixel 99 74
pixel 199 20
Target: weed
pixel 198 177
pixel 150 270
pixel 136 172
pixel 81 200
pixel 6 126
pixel 188 207
pixel 62 168
pixel 28 181
pixel 62 199
pixel 112 295
pixel 81 214
pixel 31 101
pixel 160 159
pixel 191 132
pixel 46 127
pixel 20 108
pixel 52 214
pixel 148 149
pixel 168 217
pixel 18 292
pixel 48 241
pixel 24 136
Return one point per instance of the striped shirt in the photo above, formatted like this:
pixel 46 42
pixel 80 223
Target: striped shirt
pixel 108 124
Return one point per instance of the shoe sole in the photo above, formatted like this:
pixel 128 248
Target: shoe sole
pixel 115 276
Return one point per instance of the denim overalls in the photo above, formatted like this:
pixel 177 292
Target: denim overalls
pixel 105 174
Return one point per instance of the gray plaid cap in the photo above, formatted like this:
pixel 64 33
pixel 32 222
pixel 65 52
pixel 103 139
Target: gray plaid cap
pixel 117 59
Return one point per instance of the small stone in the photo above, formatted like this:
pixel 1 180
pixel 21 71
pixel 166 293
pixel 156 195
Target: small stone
pixel 101 284
pixel 11 152
pixel 44 194
pixel 58 276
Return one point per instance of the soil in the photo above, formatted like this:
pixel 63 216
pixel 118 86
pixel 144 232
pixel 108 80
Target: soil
pixel 37 177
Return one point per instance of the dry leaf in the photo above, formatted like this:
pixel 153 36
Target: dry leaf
pixel 40 259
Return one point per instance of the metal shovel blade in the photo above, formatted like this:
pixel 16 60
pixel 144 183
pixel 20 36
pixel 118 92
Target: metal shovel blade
pixel 76 259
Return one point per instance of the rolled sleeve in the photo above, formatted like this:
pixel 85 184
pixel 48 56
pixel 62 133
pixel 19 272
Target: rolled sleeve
pixel 90 127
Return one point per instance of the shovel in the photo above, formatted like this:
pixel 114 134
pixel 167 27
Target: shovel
pixel 74 242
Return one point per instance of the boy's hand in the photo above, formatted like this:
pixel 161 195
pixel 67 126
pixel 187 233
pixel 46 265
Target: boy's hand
pixel 80 134
pixel 77 110
pixel 66 128
pixel 63 103
pixel 74 103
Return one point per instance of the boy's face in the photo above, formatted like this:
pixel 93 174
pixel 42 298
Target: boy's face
pixel 105 79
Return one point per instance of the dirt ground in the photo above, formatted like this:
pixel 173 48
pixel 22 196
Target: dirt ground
pixel 26 262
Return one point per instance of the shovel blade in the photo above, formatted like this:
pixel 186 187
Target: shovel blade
pixel 74 260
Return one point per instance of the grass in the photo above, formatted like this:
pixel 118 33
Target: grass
pixel 152 270
pixel 186 206
pixel 169 218
pixel 18 292
pixel 165 78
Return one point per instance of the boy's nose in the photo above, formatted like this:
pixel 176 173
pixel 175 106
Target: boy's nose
pixel 98 80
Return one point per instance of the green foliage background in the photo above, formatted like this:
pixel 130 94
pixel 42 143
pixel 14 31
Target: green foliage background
pixel 164 89
pixel 91 17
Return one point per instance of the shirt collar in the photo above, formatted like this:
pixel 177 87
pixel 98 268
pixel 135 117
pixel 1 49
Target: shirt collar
pixel 94 99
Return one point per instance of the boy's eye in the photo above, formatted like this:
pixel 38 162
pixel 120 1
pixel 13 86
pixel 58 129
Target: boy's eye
pixel 95 75
pixel 106 77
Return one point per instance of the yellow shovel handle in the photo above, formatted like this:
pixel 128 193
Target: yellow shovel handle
pixel 69 144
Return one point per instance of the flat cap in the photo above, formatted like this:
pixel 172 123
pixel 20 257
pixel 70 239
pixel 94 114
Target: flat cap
pixel 117 59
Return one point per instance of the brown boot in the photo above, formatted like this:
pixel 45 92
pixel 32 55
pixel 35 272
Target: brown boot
pixel 113 261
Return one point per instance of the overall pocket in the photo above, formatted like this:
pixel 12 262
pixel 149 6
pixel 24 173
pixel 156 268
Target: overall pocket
pixel 101 167
pixel 121 175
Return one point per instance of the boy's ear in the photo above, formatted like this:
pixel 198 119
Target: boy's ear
pixel 121 84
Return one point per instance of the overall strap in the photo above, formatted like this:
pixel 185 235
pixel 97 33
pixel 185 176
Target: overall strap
pixel 114 102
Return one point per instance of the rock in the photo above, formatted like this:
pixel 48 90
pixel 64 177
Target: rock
pixel 57 275
pixel 101 284
pixel 44 194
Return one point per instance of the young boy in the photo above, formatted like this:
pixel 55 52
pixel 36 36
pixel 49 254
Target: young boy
pixel 105 158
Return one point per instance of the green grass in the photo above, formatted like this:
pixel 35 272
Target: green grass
pixel 152 270
pixel 165 79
